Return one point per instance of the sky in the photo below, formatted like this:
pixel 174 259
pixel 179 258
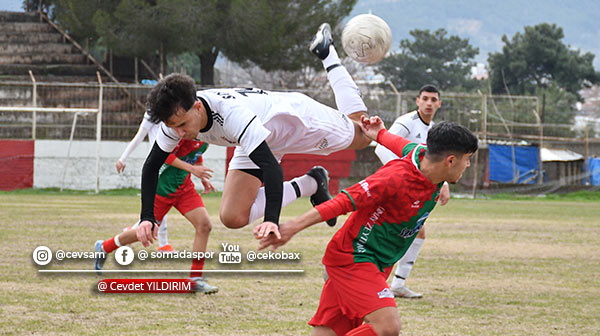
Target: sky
pixel 482 21
pixel 11 5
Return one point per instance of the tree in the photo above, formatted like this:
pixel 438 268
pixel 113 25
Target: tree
pixel 270 34
pixel 537 59
pixel 432 58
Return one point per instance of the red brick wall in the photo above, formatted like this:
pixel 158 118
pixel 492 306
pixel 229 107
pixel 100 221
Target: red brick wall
pixel 338 164
pixel 16 164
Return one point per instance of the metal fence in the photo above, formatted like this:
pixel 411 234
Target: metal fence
pixel 492 117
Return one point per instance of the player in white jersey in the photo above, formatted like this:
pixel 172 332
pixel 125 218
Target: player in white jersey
pixel 414 127
pixel 264 126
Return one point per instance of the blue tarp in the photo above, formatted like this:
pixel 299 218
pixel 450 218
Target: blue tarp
pixel 594 169
pixel 524 169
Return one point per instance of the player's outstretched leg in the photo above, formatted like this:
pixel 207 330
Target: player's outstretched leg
pixel 322 195
pixel 315 183
pixel 321 42
pixel 347 95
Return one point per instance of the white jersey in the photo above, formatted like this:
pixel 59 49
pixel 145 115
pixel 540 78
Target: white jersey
pixel 146 128
pixel 150 127
pixel 285 120
pixel 409 126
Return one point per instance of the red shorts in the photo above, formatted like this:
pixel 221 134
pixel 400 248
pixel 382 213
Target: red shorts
pixel 350 293
pixel 185 199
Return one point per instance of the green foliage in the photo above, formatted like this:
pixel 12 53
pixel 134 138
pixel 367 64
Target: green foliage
pixel 275 34
pixel 270 34
pixel 77 17
pixel 559 105
pixel 538 62
pixel 432 57
pixel 538 58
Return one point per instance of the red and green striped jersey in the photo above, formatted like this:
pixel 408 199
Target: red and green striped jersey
pixel 389 208
pixel 172 178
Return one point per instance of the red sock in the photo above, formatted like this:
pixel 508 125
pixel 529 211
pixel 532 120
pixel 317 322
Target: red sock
pixel 197 267
pixel 109 245
pixel 364 330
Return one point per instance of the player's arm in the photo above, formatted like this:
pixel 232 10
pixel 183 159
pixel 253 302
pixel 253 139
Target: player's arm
pixel 373 128
pixel 137 139
pixel 366 193
pixel 148 230
pixel 273 181
pixel 199 171
pixel 385 155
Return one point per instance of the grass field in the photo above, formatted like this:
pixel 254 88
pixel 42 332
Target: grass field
pixel 488 267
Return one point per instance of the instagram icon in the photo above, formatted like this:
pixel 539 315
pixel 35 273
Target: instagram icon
pixel 42 255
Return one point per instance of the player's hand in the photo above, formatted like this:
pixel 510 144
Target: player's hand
pixel 201 171
pixel 371 126
pixel 287 232
pixel 146 234
pixel 444 194
pixel 120 166
pixel 208 187
pixel 265 229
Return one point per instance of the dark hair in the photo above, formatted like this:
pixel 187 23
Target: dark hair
pixel 429 88
pixel 170 93
pixel 448 137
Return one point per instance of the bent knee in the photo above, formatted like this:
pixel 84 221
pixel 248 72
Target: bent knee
pixel 204 227
pixel 389 329
pixel 232 221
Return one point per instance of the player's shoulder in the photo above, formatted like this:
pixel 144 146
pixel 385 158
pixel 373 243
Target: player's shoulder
pixel 407 117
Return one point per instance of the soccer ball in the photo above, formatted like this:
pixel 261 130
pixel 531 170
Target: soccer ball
pixel 366 38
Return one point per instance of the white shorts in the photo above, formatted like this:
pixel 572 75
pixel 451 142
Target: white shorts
pixel 321 131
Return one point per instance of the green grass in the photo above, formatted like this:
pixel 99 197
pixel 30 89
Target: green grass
pixel 488 267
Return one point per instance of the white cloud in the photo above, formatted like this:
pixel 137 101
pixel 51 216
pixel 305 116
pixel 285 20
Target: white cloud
pixel 465 26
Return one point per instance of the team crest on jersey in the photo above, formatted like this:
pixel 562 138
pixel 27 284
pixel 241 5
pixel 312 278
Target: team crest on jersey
pixel 406 232
pixel 385 293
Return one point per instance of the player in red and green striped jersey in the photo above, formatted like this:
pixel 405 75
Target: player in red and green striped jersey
pixel 388 209
pixel 176 189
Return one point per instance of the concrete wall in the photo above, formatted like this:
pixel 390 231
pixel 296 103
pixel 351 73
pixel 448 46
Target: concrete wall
pixel 51 159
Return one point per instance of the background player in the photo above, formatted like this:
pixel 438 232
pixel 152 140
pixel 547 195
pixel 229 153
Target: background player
pixel 175 189
pixel 149 129
pixel 414 126
pixel 388 209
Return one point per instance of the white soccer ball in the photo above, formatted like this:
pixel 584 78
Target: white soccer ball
pixel 366 38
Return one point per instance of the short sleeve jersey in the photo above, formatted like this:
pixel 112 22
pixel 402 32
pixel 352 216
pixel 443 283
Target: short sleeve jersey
pixel 390 207
pixel 172 178
pixel 409 126
pixel 237 118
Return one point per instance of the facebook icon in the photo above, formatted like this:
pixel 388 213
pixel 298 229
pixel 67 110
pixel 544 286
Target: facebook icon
pixel 124 255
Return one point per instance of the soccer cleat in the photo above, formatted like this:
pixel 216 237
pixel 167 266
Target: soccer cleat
pixel 99 262
pixel 166 248
pixel 404 292
pixel 200 286
pixel 322 195
pixel 321 42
